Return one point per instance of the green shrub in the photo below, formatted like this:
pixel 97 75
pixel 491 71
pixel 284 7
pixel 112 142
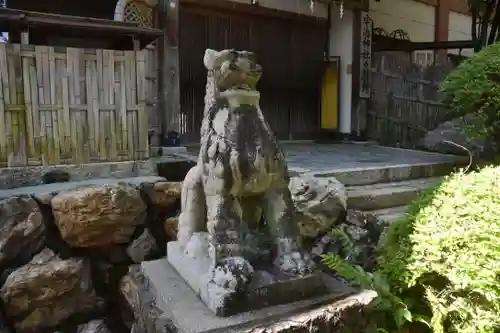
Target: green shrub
pixel 474 86
pixel 449 245
pixel 440 264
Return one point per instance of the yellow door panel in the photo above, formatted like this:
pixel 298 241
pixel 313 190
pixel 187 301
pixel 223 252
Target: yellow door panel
pixel 330 96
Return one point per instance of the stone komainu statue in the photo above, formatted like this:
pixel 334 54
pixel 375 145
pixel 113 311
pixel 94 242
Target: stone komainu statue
pixel 241 177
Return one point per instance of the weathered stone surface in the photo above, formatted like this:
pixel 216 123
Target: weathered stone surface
pixel 56 176
pixel 344 316
pixel 33 175
pixel 21 230
pixel 98 215
pixel 44 198
pixel 239 158
pixel 48 290
pixel 171 227
pixel 218 288
pixel 135 290
pixel 354 239
pixel 453 131
pixel 166 194
pixel 319 203
pixel 142 247
pixel 183 311
pixel 93 326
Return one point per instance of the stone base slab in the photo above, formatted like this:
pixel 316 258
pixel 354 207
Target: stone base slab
pixel 184 312
pixel 15 177
pixel 267 287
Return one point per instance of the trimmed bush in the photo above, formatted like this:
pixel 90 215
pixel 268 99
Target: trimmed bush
pixel 448 246
pixel 474 86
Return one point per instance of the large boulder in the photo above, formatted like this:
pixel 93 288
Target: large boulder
pixel 98 215
pixel 142 248
pixel 355 239
pixel 171 226
pixel 438 140
pixel 48 290
pixel 319 203
pixel 22 231
pixel 134 289
pixel 166 194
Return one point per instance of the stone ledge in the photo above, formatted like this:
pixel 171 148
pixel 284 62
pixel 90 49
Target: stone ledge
pixel 40 190
pixel 346 315
pixel 15 177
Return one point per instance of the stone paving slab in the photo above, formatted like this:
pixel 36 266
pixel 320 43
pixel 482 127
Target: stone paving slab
pixel 324 158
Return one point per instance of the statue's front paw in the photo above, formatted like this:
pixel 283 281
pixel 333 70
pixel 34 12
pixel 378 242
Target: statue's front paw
pixel 296 263
pixel 232 273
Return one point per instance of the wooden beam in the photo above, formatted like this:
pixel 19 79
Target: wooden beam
pixel 26 19
pixel 168 52
pixel 246 9
pixel 362 5
pixel 413 46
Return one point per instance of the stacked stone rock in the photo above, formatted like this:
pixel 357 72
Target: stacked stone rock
pixel 63 256
pixel 70 260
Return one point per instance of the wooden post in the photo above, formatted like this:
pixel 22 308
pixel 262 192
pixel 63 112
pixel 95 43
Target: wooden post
pixel 168 51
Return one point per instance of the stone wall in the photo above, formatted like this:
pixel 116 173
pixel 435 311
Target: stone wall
pixel 63 255
pixel 70 253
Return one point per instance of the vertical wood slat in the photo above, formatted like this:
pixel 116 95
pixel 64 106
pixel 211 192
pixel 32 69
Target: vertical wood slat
pixel 32 153
pixel 3 100
pixel 142 116
pixel 56 139
pixel 13 129
pixel 41 98
pixel 404 102
pixel 72 106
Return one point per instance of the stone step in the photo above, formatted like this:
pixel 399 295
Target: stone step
pixel 389 214
pixel 356 164
pixel 387 195
pixel 390 173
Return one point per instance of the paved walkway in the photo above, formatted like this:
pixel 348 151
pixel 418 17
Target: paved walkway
pixel 302 158
pixel 319 158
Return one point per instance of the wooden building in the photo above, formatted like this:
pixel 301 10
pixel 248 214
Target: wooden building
pixel 82 83
pixel 292 43
pixel 73 89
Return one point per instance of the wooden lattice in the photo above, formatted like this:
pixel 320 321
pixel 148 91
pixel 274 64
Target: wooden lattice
pixel 138 12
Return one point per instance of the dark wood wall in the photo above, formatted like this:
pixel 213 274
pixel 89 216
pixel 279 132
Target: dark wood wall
pixel 290 49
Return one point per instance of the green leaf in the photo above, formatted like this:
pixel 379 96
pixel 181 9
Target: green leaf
pixel 402 316
pixel 380 283
pixel 422 319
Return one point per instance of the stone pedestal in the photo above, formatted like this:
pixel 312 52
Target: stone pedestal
pixel 183 311
pixel 267 287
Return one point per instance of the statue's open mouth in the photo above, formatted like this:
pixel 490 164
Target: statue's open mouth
pixel 236 78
